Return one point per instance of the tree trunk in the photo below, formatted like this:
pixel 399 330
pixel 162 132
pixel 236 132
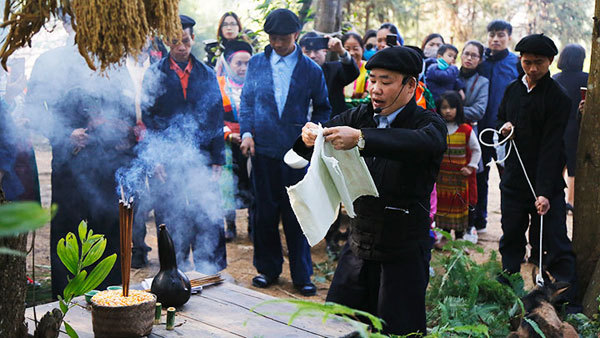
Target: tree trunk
pixel 303 12
pixel 12 286
pixel 586 227
pixel 326 16
pixel 367 19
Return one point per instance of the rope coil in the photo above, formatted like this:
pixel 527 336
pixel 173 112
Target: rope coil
pixel 539 279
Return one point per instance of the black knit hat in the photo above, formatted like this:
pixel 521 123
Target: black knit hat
pixel 537 44
pixel 233 46
pixel 282 22
pixel 404 60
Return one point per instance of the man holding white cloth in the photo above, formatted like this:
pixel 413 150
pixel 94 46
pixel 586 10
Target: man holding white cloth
pixel 384 268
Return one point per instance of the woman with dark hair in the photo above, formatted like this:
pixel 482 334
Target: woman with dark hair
pixel 385 30
pixel 430 46
pixel 229 29
pixel 370 43
pixel 572 78
pixel 476 86
pixel 353 43
pixel 431 43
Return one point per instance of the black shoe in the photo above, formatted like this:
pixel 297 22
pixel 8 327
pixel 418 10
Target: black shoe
pixel 263 281
pixel 306 290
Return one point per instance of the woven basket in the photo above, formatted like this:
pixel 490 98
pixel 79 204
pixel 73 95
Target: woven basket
pixel 123 321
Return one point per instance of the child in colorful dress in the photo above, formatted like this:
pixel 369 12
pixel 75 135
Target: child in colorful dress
pixel 456 184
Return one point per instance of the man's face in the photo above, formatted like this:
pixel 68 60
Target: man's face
pixel 317 56
pixel 498 40
pixel 449 56
pixel 180 50
pixel 283 44
pixel 535 66
pixel 388 92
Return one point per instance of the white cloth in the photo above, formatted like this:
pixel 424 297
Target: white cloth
pixel 334 176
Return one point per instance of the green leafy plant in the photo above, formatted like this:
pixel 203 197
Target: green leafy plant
pixel 327 310
pixel 76 259
pixel 20 217
pixel 586 327
pixel 464 298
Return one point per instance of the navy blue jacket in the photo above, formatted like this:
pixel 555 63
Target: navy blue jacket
pixel 274 136
pixel 440 81
pixel 501 69
pixel 200 114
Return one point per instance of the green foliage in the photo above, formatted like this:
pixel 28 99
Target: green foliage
pixel 308 308
pixel 586 327
pixel 466 297
pixel 20 217
pixel 75 260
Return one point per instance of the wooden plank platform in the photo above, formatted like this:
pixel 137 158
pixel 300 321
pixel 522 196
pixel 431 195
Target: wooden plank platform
pixel 224 310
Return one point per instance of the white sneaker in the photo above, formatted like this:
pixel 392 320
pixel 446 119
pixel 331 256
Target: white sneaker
pixel 471 236
pixel 482 231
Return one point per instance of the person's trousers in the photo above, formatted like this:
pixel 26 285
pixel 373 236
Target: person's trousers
pixel 392 290
pixel 519 214
pixel 487 154
pixel 269 178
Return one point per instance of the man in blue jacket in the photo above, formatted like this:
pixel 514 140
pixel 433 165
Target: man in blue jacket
pixel 184 148
pixel 280 85
pixel 500 68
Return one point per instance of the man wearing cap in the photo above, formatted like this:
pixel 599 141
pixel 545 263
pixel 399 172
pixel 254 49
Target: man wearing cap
pixel 537 109
pixel 338 74
pixel 280 85
pixel 384 267
pixel 183 112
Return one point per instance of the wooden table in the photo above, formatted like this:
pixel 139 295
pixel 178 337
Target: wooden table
pixel 222 310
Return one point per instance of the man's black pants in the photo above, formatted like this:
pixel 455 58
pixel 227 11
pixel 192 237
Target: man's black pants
pixel 269 178
pixel 392 290
pixel 518 214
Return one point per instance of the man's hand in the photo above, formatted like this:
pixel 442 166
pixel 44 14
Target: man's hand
pixel 581 106
pixel 466 171
pixel 247 146
pixel 216 172
pixel 506 129
pixel 342 138
pixel 542 204
pixel 160 173
pixel 79 137
pixel 235 138
pixel 308 134
pixel 335 45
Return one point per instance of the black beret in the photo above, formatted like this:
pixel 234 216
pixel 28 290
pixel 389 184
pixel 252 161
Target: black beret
pixel 537 44
pixel 233 46
pixel 282 22
pixel 186 21
pixel 404 60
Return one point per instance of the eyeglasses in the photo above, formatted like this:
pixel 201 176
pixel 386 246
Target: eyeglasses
pixel 231 24
pixel 470 55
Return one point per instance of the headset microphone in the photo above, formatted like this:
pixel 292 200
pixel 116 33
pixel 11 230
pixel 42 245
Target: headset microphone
pixel 404 82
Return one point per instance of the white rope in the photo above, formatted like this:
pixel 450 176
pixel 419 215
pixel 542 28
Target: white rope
pixel 539 280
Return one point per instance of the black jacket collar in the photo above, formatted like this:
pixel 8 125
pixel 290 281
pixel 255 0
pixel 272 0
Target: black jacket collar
pixel 496 57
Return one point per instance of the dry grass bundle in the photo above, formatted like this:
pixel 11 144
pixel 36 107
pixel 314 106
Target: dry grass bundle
pixel 106 30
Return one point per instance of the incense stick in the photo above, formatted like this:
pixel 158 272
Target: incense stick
pixel 125 232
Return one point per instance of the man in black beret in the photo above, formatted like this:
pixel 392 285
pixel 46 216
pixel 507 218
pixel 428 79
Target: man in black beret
pixel 281 84
pixel 384 267
pixel 536 108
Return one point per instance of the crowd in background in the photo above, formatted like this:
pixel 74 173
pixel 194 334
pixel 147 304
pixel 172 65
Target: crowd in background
pixel 115 127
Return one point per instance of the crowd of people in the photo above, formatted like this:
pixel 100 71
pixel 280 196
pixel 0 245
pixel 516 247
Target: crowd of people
pixel 196 140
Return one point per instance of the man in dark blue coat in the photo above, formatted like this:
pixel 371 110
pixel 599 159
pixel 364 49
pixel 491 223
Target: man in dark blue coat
pixel 280 84
pixel 184 151
pixel 501 68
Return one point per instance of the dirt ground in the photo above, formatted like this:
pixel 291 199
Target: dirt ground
pixel 239 253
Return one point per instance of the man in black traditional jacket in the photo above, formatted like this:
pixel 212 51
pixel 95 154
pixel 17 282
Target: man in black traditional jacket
pixel 537 108
pixel 384 267
pixel 338 74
